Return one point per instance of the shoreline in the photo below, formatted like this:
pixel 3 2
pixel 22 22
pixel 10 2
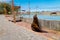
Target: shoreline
pixel 27 25
pixel 28 21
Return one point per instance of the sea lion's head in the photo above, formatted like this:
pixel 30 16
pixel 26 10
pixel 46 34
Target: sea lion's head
pixel 35 19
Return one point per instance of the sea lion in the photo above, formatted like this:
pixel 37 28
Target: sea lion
pixel 35 24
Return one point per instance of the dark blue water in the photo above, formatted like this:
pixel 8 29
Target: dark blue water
pixel 44 17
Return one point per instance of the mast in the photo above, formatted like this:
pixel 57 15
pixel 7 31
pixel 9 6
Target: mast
pixel 29 7
pixel 36 9
pixel 14 14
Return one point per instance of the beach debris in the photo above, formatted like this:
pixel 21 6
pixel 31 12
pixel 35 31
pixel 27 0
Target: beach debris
pixel 35 24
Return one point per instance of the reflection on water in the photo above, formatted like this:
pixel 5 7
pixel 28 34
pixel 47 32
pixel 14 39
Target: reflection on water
pixel 44 17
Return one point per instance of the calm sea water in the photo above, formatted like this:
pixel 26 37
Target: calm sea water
pixel 44 17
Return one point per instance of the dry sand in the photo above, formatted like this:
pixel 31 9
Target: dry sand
pixel 11 31
pixel 51 34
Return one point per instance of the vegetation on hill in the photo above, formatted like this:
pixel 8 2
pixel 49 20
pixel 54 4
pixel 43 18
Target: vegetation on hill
pixel 7 6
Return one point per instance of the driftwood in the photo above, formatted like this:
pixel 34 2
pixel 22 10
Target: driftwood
pixel 35 25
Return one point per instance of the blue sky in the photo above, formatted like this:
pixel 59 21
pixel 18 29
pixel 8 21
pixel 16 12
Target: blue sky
pixel 45 5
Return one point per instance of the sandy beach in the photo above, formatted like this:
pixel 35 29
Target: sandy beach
pixel 11 31
pixel 51 33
